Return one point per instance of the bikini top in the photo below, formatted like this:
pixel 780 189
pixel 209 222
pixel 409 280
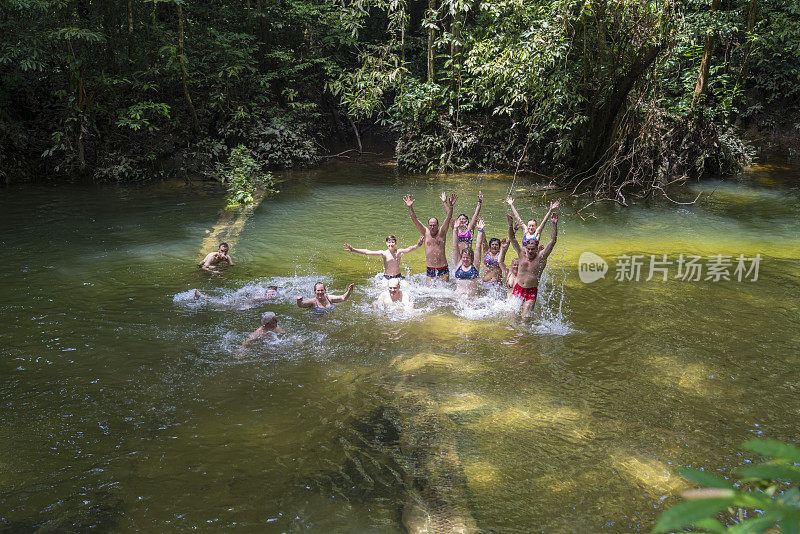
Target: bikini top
pixel 491 262
pixel 464 238
pixel 527 238
pixel 320 309
pixel 509 285
pixel 469 274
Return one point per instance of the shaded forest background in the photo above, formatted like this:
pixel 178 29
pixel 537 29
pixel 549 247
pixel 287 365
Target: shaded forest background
pixel 615 98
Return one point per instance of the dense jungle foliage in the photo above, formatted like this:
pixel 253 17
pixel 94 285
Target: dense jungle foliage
pixel 611 97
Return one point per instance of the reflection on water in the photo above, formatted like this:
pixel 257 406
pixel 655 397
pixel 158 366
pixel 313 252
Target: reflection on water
pixel 125 408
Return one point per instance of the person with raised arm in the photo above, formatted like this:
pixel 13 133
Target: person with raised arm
pixel 467 273
pixel 322 302
pixel 532 261
pixel 466 226
pixel 435 238
pixel 391 256
pixel 532 231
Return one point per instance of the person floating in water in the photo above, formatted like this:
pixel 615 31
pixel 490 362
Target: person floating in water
pixel 269 294
pixel 532 261
pixel 391 256
pixel 322 302
pixel 269 326
pixel 466 226
pixel 532 231
pixel 435 238
pixel 466 272
pixel 393 297
pixel 213 258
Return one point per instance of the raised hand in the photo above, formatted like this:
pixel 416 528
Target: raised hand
pixel 421 239
pixel 510 200
pixel 350 287
pixel 348 247
pixel 554 217
pixel 511 222
pixel 480 196
pixel 504 242
pixel 554 205
pixel 480 225
pixel 452 200
pixel 408 200
pixel 443 196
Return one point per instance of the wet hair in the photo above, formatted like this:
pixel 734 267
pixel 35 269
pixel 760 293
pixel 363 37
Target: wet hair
pixel 319 284
pixel 273 287
pixel 223 244
pixel 469 251
pixel 435 219
pixel 463 215
pixel 267 317
pixel 391 238
pixel 494 240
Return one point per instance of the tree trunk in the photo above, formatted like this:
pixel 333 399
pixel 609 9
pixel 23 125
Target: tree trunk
pixel 182 61
pixel 249 19
pixel 79 124
pixel 702 78
pixel 748 48
pixel 604 117
pixel 431 39
pixel 130 31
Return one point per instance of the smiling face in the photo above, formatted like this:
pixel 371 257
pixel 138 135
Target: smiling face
pixel 494 245
pixel 515 266
pixel 433 225
pixel 463 221
pixel 531 227
pixel 391 243
pixel 466 259
pixel 531 251
pixel 394 288
pixel 319 290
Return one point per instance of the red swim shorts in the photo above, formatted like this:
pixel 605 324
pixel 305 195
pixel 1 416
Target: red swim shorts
pixel 525 293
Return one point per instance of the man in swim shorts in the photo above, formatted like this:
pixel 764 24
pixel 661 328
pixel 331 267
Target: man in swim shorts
pixel 532 261
pixel 214 258
pixel 391 256
pixel 393 297
pixel 435 238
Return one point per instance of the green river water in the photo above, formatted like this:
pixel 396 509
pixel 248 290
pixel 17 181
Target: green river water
pixel 123 408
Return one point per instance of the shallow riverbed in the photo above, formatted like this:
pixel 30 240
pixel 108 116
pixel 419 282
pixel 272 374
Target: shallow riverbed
pixel 123 406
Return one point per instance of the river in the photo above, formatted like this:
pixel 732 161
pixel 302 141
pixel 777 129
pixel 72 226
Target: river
pixel 125 409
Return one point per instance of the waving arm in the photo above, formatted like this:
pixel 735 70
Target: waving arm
pixel 538 233
pixel 412 247
pixel 503 249
pixel 342 298
pixel 448 208
pixel 364 251
pixel 410 203
pixel 510 202
pixel 512 237
pixel 474 219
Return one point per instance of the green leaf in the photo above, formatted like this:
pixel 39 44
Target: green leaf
pixel 771 472
pixel 687 512
pixel 710 524
pixel 752 526
pixel 704 478
pixel 773 449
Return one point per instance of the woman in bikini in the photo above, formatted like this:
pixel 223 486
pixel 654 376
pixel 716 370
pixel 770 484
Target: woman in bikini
pixel 464 227
pixel 467 273
pixel 322 302
pixel 494 259
pixel 532 231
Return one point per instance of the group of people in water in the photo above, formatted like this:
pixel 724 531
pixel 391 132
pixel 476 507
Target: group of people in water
pixel 521 278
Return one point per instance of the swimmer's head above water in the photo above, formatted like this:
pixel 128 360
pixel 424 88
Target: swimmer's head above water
pixel 391 242
pixel 494 245
pixel 319 290
pixel 223 248
pixel 269 319
pixel 467 257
